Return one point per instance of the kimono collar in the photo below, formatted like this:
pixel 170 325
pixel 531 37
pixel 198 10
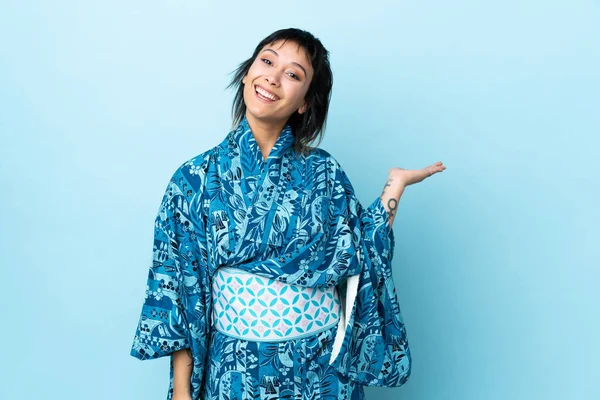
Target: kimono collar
pixel 245 138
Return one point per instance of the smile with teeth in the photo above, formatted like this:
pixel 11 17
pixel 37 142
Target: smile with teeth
pixel 267 95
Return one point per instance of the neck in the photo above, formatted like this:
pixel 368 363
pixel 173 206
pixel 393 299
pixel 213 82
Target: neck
pixel 265 133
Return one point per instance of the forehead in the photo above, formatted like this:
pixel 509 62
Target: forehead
pixel 290 49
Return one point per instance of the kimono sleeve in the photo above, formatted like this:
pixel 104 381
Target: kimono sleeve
pixel 374 350
pixel 173 315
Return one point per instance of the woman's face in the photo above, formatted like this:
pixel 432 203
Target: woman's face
pixel 276 83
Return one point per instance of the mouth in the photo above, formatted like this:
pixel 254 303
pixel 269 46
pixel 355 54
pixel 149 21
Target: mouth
pixel 264 95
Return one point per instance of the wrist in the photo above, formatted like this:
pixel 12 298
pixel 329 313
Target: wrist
pixel 395 181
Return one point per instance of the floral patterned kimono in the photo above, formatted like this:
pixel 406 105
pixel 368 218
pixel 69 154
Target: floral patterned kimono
pixel 291 223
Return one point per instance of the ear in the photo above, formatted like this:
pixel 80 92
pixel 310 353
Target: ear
pixel 244 79
pixel 302 109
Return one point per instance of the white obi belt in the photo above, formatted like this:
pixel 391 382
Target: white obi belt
pixel 251 307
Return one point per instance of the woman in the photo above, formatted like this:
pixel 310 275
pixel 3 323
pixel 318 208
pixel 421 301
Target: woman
pixel 269 278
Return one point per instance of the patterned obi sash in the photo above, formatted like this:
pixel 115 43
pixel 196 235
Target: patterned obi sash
pixel 252 307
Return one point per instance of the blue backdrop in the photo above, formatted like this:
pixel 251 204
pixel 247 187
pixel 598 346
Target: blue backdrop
pixel 496 258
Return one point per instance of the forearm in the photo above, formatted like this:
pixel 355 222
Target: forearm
pixel 390 196
pixel 182 372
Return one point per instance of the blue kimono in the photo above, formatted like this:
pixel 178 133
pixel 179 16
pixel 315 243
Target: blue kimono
pixel 293 219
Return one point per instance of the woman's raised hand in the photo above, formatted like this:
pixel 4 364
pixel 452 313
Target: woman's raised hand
pixel 410 176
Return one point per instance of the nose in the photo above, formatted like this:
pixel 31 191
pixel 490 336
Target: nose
pixel 273 78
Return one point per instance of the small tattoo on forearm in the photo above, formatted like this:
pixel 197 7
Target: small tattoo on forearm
pixel 392 205
pixel 386 185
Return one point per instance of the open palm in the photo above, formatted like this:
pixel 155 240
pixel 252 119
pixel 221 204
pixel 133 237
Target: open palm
pixel 410 176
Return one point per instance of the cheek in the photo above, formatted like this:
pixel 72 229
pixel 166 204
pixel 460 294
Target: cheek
pixel 256 69
pixel 297 93
pixel 248 91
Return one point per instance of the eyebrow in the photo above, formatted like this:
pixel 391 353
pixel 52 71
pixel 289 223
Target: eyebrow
pixel 293 62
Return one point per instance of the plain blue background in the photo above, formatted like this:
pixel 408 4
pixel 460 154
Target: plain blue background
pixel 496 259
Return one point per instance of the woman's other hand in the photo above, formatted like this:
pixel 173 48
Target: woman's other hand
pixel 410 176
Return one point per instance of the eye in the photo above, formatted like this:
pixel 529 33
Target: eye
pixel 266 61
pixel 294 76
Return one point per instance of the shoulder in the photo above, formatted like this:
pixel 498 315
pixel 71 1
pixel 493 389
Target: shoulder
pixel 191 173
pixel 198 163
pixel 326 166
pixel 322 156
pixel 333 165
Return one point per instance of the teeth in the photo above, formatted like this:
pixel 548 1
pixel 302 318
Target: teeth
pixel 265 93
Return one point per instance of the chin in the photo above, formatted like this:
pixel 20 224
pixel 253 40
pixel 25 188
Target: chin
pixel 262 114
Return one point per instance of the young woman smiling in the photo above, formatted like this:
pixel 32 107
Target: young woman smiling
pixel 270 279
